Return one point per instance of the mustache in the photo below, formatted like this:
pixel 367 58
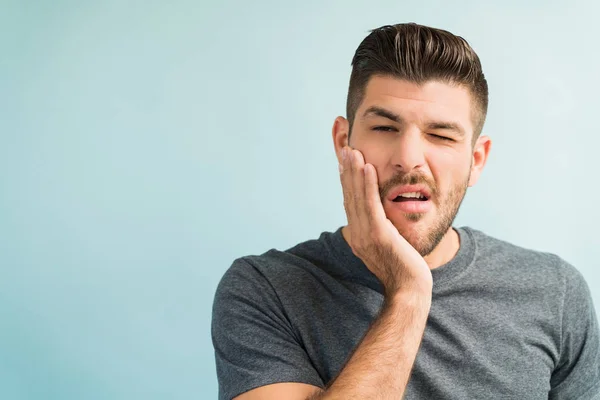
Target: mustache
pixel 404 179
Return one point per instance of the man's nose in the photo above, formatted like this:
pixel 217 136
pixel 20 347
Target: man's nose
pixel 408 152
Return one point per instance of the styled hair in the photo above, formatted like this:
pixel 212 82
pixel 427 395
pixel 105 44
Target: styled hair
pixel 418 54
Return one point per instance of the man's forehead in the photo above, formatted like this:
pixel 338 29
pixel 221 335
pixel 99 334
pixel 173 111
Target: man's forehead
pixel 434 92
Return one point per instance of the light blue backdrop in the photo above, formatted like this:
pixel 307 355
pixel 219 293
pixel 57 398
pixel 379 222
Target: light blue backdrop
pixel 145 145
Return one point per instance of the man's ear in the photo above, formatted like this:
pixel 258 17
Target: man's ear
pixel 340 133
pixel 480 156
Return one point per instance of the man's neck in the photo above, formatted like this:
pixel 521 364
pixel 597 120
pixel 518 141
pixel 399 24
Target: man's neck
pixel 445 250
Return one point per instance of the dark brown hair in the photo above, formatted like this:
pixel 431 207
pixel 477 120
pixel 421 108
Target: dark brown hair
pixel 418 54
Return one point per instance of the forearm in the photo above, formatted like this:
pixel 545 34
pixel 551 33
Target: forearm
pixel 381 364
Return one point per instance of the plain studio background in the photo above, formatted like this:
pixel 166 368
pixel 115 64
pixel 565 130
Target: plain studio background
pixel 145 146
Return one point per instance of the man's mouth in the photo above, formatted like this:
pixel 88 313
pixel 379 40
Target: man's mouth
pixel 413 196
pixel 412 202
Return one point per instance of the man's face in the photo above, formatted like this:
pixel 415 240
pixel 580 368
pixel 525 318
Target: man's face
pixel 417 135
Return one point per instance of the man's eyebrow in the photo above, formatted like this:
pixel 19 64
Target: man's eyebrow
pixel 382 112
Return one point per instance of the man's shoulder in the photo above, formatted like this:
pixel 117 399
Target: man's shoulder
pixel 301 257
pixel 524 259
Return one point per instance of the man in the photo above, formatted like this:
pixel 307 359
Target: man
pixel 398 303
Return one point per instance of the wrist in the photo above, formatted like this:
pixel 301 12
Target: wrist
pixel 414 296
pixel 416 286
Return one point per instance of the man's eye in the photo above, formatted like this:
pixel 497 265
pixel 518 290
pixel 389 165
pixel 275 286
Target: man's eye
pixel 384 128
pixel 442 138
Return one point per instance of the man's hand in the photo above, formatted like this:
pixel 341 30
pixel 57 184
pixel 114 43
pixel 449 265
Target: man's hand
pixel 373 237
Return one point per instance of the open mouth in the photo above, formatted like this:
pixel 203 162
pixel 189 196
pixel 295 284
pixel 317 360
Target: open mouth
pixel 410 197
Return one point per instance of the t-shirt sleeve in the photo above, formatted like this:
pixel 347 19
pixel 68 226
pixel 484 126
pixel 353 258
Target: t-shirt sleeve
pixel 577 373
pixel 253 339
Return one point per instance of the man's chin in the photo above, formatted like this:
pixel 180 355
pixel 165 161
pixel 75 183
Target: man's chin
pixel 407 220
pixel 410 226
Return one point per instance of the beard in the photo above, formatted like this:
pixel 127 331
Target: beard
pixel 426 238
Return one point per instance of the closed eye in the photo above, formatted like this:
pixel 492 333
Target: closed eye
pixel 442 137
pixel 385 128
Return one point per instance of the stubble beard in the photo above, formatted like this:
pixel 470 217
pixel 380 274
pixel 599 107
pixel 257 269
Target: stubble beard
pixel 425 239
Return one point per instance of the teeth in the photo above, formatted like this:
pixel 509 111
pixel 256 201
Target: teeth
pixel 416 195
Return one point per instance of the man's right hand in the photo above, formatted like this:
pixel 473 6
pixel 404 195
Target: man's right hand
pixel 373 237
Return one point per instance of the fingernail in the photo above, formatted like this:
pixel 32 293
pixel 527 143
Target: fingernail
pixel 341 168
pixel 344 154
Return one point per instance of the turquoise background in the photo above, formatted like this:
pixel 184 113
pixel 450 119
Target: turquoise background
pixel 146 144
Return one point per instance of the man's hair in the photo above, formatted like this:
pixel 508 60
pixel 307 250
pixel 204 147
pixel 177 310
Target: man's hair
pixel 418 54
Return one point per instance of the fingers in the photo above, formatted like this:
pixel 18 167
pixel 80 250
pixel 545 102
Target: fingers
pixel 372 199
pixel 353 183
pixel 347 179
pixel 358 190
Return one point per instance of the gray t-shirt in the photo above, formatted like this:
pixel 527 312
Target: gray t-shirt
pixel 505 322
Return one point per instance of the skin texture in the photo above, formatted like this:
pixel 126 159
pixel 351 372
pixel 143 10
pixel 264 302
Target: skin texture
pixel 409 153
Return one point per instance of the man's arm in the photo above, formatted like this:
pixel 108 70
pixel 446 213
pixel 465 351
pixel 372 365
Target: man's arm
pixel 381 364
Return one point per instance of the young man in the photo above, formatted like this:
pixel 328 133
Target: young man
pixel 398 303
